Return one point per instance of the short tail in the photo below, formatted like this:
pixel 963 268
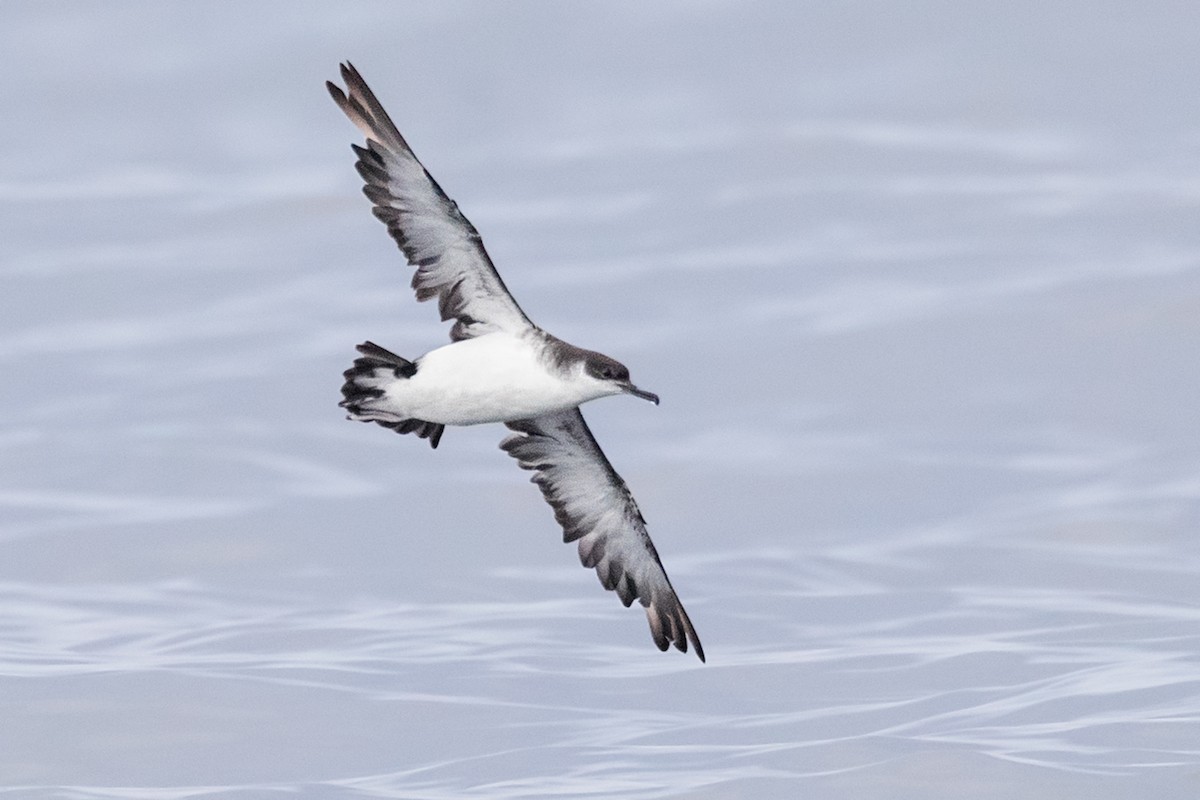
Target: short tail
pixel 365 387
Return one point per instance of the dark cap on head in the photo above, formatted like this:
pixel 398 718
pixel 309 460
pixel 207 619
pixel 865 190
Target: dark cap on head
pixel 603 368
pixel 606 369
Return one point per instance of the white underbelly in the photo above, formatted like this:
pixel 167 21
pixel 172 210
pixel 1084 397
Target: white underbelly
pixel 493 378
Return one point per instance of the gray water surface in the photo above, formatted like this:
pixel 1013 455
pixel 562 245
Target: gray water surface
pixel 919 287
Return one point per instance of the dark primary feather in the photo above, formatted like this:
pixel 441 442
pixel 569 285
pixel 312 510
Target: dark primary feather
pixel 596 509
pixel 436 238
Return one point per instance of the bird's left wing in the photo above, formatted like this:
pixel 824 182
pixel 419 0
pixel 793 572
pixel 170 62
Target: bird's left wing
pixel 595 508
pixel 435 236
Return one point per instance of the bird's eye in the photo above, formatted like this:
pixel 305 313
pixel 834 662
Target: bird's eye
pixel 607 372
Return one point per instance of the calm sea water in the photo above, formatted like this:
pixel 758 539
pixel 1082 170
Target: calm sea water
pixel 919 287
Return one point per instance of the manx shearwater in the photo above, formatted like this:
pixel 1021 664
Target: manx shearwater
pixel 499 367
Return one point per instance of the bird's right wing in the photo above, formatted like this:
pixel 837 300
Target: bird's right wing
pixel 435 236
pixel 595 508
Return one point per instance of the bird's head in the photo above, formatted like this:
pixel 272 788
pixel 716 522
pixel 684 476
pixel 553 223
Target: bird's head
pixel 613 376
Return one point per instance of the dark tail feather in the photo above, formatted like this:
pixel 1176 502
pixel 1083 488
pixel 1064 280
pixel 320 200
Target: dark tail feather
pixel 364 386
pixel 375 356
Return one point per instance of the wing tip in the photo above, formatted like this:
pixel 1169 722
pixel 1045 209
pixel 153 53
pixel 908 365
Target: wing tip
pixel 681 644
pixel 349 72
pixel 672 626
pixel 335 92
pixel 350 76
pixel 691 632
pixel 359 103
pixel 688 634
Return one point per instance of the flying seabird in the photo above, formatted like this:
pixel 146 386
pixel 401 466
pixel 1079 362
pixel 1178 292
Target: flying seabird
pixel 499 367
